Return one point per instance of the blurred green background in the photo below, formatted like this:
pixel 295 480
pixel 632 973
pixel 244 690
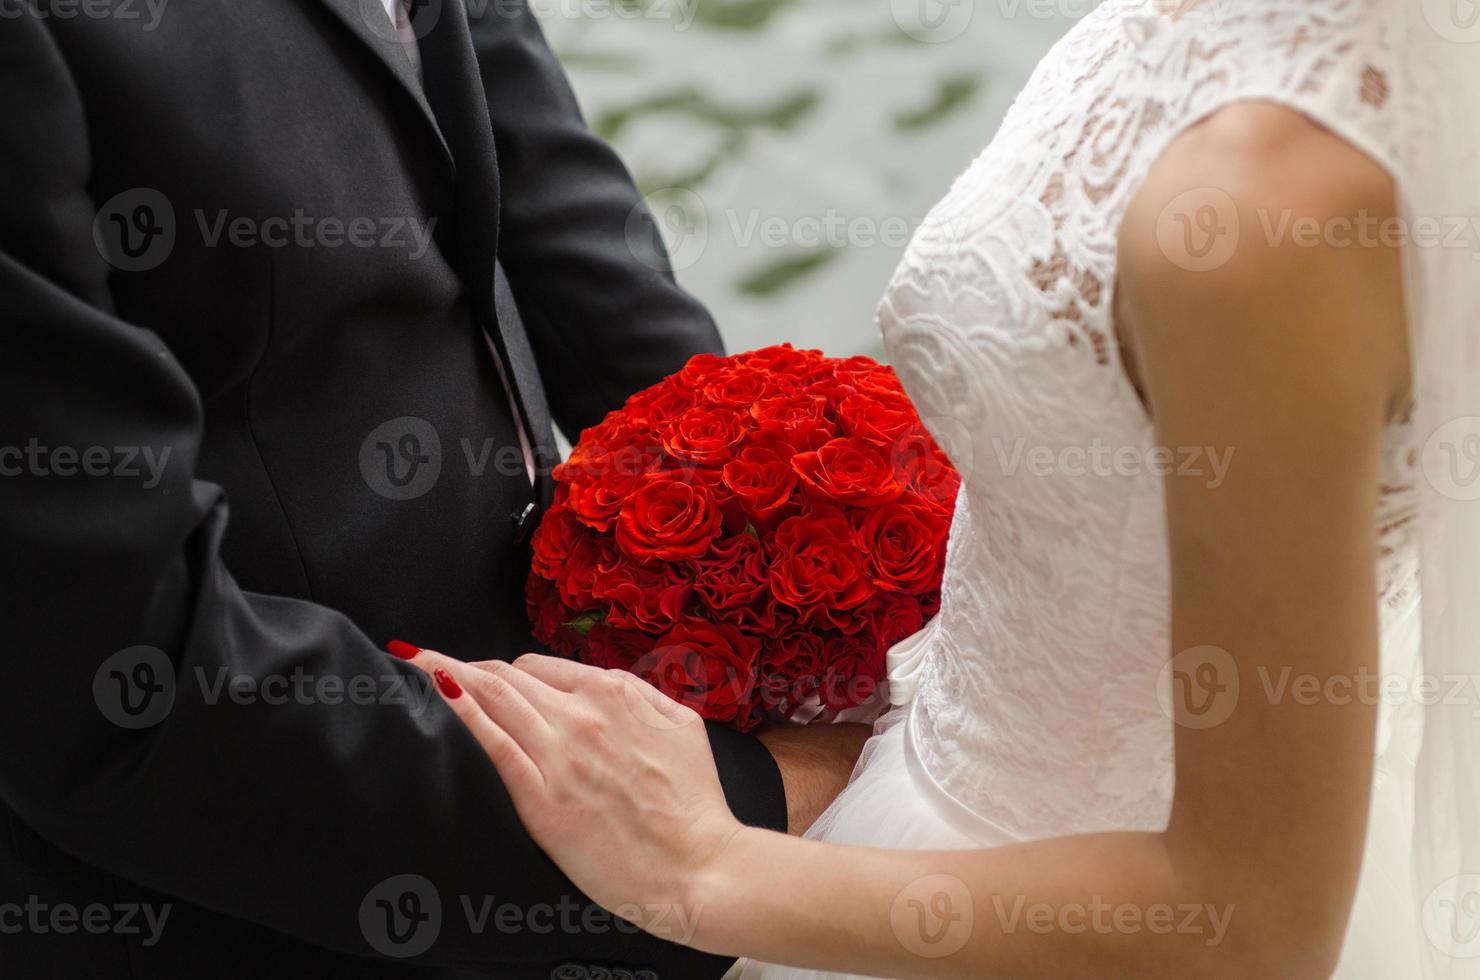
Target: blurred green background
pixel 790 147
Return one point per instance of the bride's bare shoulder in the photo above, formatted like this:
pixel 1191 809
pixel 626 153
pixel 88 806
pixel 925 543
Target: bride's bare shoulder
pixel 1260 228
pixel 1249 165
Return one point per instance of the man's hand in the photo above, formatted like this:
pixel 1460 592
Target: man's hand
pixel 816 762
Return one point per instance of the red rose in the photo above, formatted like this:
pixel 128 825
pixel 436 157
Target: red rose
pixel 905 547
pixel 659 405
pixel 734 574
pixel 849 472
pixel 799 419
pixel 734 585
pixel 667 518
pixel 783 359
pixel 817 568
pixel 739 386
pixel 555 539
pixel 733 518
pixel 881 383
pixel 852 668
pixel 546 612
pixel 854 370
pixel 764 616
pixel 704 435
pixel 615 427
pixel 711 667
pixel 763 480
pixel 930 604
pixel 610 647
pixel 651 596
pixel 790 670
pixel 878 419
pixel 925 471
pixel 699 369
pixel 577 576
pixel 893 617
pixel 603 477
pixel 569 644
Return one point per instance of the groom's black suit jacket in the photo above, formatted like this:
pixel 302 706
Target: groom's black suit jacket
pixel 301 367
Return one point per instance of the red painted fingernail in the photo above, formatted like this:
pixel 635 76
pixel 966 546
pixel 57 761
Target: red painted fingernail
pixel 447 684
pixel 402 649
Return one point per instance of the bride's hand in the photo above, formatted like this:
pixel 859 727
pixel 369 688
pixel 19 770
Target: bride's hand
pixel 613 780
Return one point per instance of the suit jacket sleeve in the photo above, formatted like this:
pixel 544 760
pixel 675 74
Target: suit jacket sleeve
pixel 588 267
pixel 288 812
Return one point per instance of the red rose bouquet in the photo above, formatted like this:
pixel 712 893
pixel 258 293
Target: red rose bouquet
pixel 750 535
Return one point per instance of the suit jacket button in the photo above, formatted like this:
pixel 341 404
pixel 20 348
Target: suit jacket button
pixel 524 522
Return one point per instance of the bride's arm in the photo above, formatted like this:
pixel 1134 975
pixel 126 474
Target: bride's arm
pixel 1293 357
pixel 1290 355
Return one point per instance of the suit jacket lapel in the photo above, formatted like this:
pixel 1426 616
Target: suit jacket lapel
pixel 368 21
pixel 454 85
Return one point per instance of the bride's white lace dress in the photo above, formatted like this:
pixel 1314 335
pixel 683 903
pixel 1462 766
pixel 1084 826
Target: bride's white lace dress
pixel 1033 705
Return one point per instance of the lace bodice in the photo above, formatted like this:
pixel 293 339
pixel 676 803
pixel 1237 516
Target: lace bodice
pixel 1037 696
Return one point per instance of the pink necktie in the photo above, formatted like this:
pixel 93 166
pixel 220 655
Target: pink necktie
pixel 400 12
